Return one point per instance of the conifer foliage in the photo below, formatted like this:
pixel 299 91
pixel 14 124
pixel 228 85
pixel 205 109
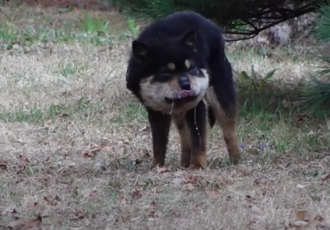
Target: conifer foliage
pixel 242 17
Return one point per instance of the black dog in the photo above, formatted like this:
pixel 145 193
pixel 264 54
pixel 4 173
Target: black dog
pixel 178 70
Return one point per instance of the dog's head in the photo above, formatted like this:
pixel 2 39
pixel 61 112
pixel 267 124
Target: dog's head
pixel 173 77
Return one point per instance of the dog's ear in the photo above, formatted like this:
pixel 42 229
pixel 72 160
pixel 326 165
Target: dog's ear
pixel 189 38
pixel 140 49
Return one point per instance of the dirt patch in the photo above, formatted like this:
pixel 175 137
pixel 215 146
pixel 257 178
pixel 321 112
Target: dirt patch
pixel 79 4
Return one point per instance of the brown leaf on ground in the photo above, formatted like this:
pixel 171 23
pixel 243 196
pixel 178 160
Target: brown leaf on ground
pixel 4 165
pixel 8 210
pixel 192 179
pixel 79 215
pixel 319 218
pixel 92 150
pixel 93 193
pixel 327 177
pixel 50 202
pixel 199 206
pixel 48 123
pixel 162 169
pixel 105 142
pixel 126 219
pixel 213 194
pixel 154 214
pixel 189 187
pixel 33 223
pixel 21 169
pixel 300 215
pixel 123 200
pixel 136 193
pixel 89 155
pixel 24 158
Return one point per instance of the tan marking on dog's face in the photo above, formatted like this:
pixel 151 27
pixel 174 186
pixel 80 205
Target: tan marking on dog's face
pixel 171 66
pixel 154 93
pixel 187 64
pixel 174 84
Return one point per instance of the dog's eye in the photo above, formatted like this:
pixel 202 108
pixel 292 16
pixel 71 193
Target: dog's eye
pixel 165 75
pixel 195 71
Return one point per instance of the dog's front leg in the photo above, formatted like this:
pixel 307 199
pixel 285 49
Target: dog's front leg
pixel 185 140
pixel 196 120
pixel 160 125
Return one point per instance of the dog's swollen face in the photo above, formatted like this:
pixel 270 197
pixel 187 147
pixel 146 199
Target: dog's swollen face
pixel 175 80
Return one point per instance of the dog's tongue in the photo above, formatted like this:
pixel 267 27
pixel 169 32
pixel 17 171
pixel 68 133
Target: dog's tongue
pixel 185 93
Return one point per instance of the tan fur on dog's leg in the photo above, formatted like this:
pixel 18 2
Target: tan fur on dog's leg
pixel 229 134
pixel 228 126
pixel 199 160
pixel 184 134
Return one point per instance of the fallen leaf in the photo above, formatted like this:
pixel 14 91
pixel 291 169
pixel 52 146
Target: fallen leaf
pixel 123 200
pixel 327 177
pixel 126 219
pixel 89 155
pixel 198 206
pixel 213 194
pixel 92 150
pixel 154 214
pixel 300 215
pixel 48 160
pixel 162 169
pixel 136 193
pixel 21 169
pixel 4 165
pixel 192 179
pixel 256 181
pixel 79 214
pixel 319 218
pixel 50 202
pixel 104 142
pixel 48 123
pixel 300 186
pixel 178 181
pixel 93 193
pixel 9 210
pixel 26 223
pixel 189 187
pixel 24 158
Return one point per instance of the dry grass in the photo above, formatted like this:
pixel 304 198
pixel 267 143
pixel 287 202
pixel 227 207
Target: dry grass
pixel 74 148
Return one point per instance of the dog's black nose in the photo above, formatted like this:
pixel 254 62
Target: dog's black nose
pixel 184 83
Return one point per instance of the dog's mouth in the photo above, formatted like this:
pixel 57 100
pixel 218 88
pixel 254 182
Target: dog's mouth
pixel 183 96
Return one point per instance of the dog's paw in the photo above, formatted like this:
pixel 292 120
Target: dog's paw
pixel 154 163
pixel 199 161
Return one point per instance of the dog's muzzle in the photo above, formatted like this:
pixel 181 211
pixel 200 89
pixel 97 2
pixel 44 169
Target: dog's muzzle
pixel 186 94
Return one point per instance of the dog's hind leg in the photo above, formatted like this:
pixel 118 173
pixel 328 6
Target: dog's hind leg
pixel 160 126
pixel 221 96
pixel 197 124
pixel 184 133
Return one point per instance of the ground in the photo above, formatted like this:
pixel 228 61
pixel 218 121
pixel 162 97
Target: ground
pixel 75 145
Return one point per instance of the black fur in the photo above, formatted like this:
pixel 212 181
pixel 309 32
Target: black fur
pixel 160 43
